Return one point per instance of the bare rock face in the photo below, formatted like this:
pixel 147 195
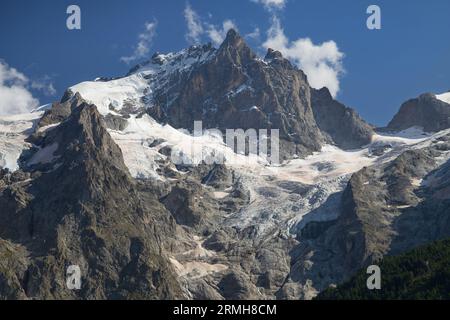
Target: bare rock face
pixel 189 206
pixel 81 207
pixel 342 125
pixel 61 110
pixel 426 111
pixel 212 231
pixel 389 202
pixel 234 89
pixel 218 177
pixel 235 286
pixel 13 262
pixel 386 209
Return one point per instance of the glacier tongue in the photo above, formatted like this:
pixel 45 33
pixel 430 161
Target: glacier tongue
pixel 142 153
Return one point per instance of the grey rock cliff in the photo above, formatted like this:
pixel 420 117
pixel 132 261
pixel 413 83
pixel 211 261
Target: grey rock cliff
pixel 426 111
pixel 216 231
pixel 234 89
pixel 83 208
pixel 342 125
pixel 386 209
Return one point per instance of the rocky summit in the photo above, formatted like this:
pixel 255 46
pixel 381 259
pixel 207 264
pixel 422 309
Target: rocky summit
pixel 91 182
pixel 428 111
pixel 232 87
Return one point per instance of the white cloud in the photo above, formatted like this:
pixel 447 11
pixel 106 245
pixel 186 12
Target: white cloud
pixel 197 28
pixel 255 34
pixel 272 4
pixel 45 85
pixel 322 63
pixel 194 25
pixel 142 49
pixel 15 98
pixel 218 34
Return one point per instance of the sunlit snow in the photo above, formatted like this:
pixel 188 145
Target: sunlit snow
pixel 13 132
pixel 444 97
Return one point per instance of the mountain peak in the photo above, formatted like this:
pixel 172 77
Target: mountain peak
pixel 232 36
pixel 273 54
pixel 235 48
pixel 234 40
pixel 429 111
pixel 325 93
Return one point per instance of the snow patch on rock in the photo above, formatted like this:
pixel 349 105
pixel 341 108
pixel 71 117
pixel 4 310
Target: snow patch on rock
pixel 44 155
pixel 111 96
pixel 13 132
pixel 445 97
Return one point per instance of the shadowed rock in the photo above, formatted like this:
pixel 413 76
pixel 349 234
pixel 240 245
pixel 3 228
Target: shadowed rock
pixel 426 111
pixel 85 210
pixel 342 125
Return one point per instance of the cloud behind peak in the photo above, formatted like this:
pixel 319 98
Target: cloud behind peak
pixel 322 63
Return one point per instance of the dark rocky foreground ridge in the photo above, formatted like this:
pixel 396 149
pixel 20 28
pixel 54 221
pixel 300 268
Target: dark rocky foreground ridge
pixel 88 211
pixel 74 202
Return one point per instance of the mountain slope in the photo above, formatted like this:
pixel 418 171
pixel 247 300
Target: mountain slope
pixel 234 89
pixel 426 111
pixel 96 181
pixel 227 88
pixel 422 273
pixel 94 216
pixel 392 206
pixel 342 125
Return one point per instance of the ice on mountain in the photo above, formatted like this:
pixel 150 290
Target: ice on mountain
pixel 187 149
pixel 136 89
pixel 13 132
pixel 114 93
pixel 445 97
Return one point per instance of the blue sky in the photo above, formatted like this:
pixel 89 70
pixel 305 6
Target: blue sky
pixel 410 55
